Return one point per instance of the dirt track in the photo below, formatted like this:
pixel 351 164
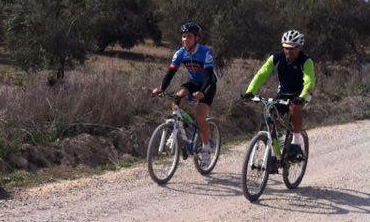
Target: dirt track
pixel 336 188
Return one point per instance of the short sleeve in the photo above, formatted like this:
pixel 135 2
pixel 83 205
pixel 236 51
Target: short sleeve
pixel 177 58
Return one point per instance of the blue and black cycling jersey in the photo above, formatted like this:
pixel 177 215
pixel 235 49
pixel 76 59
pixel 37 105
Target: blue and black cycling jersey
pixel 199 65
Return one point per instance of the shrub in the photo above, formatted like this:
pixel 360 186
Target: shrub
pixel 48 33
pixel 335 30
pixel 1 22
pixel 126 22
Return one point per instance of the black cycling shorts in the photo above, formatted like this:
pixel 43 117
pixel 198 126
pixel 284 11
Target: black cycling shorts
pixel 193 87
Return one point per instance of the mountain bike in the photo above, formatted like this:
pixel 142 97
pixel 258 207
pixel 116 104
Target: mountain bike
pixel 180 133
pixel 271 141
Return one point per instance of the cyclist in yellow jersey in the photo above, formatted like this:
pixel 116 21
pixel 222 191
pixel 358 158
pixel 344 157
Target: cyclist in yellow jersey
pixel 296 75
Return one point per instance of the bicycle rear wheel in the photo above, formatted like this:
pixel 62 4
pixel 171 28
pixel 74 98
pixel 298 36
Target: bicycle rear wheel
pixel 215 140
pixel 162 157
pixel 294 170
pixel 254 174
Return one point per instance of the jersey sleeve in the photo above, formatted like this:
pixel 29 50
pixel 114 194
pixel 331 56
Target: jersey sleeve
pixel 262 75
pixel 309 79
pixel 208 62
pixel 177 59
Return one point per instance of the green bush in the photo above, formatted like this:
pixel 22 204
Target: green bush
pixel 49 33
pixel 335 29
pixel 125 22
pixel 177 12
pixel 1 21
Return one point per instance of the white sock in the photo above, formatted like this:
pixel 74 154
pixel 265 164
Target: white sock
pixel 206 147
pixel 295 139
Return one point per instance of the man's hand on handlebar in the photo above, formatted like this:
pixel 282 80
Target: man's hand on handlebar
pixel 247 96
pixel 298 101
pixel 198 95
pixel 157 91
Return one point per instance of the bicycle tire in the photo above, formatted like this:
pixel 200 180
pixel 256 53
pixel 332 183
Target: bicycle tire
pixel 287 166
pixel 152 153
pixel 246 169
pixel 215 137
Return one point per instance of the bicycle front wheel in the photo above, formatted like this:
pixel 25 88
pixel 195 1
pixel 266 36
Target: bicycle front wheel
pixel 294 170
pixel 254 173
pixel 215 140
pixel 163 153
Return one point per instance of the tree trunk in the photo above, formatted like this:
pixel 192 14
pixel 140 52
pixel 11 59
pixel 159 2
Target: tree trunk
pixel 60 73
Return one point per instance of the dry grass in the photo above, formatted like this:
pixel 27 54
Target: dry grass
pixel 113 91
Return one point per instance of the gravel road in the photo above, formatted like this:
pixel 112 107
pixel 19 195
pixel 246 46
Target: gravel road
pixel 336 187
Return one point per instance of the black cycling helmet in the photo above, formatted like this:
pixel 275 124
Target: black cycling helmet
pixel 191 27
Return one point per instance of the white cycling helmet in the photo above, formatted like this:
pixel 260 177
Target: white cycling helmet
pixel 292 38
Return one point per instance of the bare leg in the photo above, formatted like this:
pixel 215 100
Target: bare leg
pixel 201 112
pixel 296 113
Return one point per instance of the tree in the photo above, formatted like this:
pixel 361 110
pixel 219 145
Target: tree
pixel 49 33
pixel 247 29
pixel 127 22
pixel 1 21
pixel 334 29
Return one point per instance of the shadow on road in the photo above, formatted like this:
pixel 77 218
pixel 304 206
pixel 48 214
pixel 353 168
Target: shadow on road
pixel 318 200
pixel 314 200
pixel 216 184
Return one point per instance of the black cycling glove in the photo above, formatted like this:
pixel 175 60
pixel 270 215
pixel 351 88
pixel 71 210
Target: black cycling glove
pixel 298 100
pixel 247 96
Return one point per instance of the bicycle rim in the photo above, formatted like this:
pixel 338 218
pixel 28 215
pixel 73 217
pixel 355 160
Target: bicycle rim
pixel 294 171
pixel 254 174
pixel 162 161
pixel 215 140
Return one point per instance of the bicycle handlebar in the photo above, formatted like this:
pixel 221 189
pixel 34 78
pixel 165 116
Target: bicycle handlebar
pixel 266 101
pixel 271 100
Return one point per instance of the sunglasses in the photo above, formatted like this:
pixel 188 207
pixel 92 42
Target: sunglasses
pixel 291 48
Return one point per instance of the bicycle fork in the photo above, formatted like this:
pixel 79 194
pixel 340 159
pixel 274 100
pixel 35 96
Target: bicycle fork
pixel 273 146
pixel 172 140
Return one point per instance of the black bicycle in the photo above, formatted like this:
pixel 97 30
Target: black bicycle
pixel 271 139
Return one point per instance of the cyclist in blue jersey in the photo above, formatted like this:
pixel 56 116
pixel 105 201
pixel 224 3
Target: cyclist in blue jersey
pixel 198 60
pixel 296 75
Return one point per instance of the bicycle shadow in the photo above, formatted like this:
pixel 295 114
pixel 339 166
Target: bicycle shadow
pixel 216 184
pixel 318 200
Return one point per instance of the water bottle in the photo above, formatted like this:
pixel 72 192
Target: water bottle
pixel 187 118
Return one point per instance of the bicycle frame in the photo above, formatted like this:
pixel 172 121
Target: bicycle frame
pixel 271 118
pixel 178 123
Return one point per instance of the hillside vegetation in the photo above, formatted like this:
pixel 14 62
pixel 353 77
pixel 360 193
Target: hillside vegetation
pixel 71 96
